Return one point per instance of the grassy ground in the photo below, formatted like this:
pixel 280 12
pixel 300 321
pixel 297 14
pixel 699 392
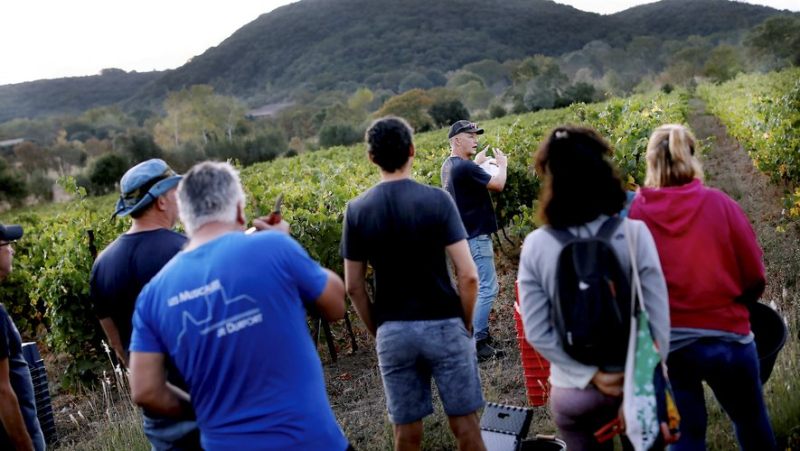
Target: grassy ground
pixel 107 420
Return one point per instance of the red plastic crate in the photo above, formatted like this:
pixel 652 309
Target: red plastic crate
pixel 535 367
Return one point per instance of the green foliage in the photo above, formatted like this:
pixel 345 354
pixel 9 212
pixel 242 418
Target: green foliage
pixel 51 276
pixel 198 115
pixel 338 135
pixel 138 147
pixel 489 70
pixel 578 93
pixel 105 172
pixel 445 112
pixel 412 106
pixel 723 63
pixel 378 43
pixel 777 39
pixel 628 123
pixel 37 99
pixel 763 112
pixel 41 185
pixel 415 80
pixel 497 110
pixel 13 187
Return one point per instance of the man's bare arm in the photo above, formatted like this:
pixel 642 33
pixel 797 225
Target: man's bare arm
pixel 149 387
pixel 330 303
pixel 10 414
pixel 354 274
pixel 467 275
pixel 112 333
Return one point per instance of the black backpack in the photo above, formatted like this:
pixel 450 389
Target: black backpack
pixel 592 307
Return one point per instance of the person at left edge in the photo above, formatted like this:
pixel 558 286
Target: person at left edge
pixel 229 310
pixel 148 196
pixel 19 426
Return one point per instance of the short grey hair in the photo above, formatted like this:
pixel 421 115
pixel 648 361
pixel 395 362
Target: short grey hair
pixel 209 192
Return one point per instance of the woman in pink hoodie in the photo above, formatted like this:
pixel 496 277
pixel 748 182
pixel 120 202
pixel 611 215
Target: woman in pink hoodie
pixel 712 263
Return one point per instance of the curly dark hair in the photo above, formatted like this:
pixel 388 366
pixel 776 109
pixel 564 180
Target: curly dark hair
pixel 389 140
pixel 580 181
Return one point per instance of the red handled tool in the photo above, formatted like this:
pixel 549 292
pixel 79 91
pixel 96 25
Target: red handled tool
pixel 608 431
pixel 274 216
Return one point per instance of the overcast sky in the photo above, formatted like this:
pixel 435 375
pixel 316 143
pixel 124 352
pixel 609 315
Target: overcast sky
pixel 57 38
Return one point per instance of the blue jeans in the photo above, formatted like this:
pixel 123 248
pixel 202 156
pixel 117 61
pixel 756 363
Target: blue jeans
pixel 170 434
pixel 482 253
pixel 731 370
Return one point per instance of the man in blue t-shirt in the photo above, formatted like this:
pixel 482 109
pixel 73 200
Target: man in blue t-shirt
pixel 405 230
pixel 229 310
pixel 19 426
pixel 126 265
pixel 469 184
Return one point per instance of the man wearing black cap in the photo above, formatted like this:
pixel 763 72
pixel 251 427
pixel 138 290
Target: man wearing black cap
pixel 469 182
pixel 19 426
pixel 125 267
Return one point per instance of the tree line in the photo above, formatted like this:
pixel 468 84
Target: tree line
pixel 199 123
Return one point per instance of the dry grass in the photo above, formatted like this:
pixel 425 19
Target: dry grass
pixel 101 420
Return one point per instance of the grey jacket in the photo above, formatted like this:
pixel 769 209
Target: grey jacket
pixel 537 287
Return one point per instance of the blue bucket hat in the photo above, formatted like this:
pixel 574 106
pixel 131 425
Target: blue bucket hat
pixel 143 183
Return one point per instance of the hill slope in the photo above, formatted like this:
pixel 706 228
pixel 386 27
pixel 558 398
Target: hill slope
pixel 319 45
pixel 70 95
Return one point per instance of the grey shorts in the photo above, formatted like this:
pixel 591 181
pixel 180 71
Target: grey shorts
pixel 411 352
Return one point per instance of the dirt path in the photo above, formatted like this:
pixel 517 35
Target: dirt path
pixel 729 168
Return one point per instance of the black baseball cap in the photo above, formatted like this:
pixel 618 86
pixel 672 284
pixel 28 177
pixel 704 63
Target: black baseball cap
pixel 10 232
pixel 464 127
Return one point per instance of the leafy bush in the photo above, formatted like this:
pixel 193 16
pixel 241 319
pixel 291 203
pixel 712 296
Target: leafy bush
pixel 106 171
pixel 13 187
pixel 339 135
pixel 445 112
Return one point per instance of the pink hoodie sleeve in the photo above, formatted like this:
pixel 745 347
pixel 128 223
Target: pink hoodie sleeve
pixel 748 254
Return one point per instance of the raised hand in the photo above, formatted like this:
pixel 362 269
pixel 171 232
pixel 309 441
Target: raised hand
pixel 264 224
pixel 502 159
pixel 481 157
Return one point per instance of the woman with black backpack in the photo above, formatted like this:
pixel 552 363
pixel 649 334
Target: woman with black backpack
pixel 575 283
pixel 712 263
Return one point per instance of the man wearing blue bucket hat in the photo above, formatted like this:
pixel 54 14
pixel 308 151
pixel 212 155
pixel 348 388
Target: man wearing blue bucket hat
pixel 148 196
pixel 19 426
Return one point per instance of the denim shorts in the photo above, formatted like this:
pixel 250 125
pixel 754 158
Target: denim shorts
pixel 411 352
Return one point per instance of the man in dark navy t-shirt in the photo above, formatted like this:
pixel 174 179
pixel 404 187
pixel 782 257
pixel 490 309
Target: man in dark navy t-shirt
pixel 405 230
pixel 127 265
pixel 469 183
pixel 19 426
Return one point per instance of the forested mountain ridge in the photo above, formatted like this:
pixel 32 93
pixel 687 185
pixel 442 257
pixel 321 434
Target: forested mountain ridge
pixel 681 18
pixel 321 45
pixel 71 95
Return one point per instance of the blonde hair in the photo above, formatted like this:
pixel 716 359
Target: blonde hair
pixel 670 157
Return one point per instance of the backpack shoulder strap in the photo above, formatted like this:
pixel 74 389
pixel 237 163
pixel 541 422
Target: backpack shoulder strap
pixel 562 235
pixel 608 228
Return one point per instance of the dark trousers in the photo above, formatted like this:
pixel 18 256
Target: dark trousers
pixel 731 370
